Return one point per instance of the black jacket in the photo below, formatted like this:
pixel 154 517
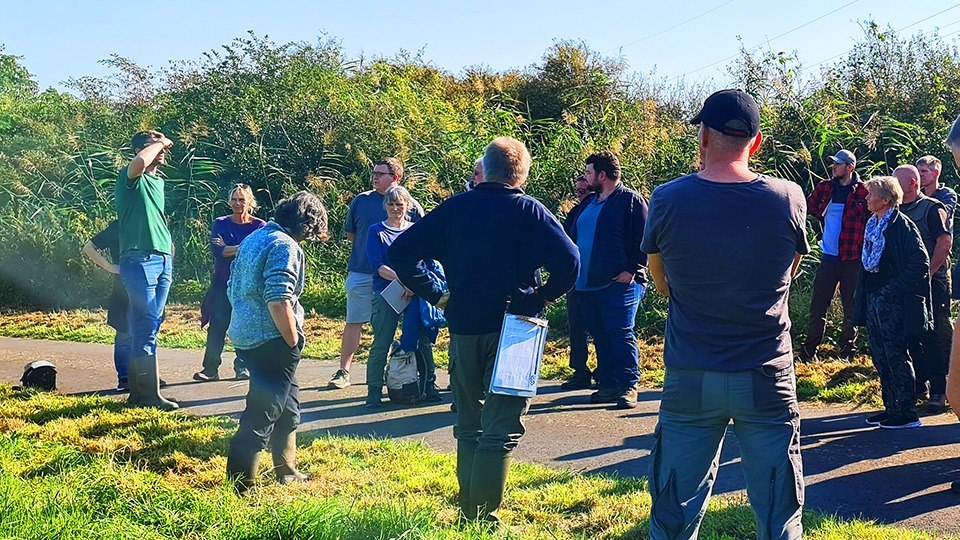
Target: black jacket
pixel 616 246
pixel 905 258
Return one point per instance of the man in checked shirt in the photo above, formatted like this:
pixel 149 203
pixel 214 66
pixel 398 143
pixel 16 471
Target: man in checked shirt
pixel 841 207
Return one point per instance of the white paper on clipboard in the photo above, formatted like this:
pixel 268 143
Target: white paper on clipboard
pixel 393 294
pixel 519 355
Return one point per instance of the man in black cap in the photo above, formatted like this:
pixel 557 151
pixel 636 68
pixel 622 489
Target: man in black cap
pixel 840 205
pixel 724 244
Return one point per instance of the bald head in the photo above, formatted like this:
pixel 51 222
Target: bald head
pixel 909 178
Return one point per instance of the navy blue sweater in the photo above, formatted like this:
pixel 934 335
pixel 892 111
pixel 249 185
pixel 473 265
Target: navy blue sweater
pixel 616 245
pixel 490 241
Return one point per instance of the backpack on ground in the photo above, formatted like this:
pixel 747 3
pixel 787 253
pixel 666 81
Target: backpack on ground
pixel 40 374
pixel 403 381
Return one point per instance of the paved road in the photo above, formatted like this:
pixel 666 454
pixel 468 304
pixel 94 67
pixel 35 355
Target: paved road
pixel 897 477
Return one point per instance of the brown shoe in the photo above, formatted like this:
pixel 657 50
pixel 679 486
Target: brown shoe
pixel 628 399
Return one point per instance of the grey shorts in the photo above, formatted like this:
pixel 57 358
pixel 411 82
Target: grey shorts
pixel 359 297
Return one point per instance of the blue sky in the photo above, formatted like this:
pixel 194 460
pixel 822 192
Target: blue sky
pixel 694 39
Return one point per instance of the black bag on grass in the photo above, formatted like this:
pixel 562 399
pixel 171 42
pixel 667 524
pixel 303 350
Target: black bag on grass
pixel 40 374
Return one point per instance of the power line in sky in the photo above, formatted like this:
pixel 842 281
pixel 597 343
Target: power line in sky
pixel 820 63
pixel 825 15
pixel 672 27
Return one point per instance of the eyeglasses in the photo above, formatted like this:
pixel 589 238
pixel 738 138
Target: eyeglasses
pixel 241 186
pixel 378 174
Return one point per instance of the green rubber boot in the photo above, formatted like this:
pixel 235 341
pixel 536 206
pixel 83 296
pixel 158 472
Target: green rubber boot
pixel 148 383
pixel 283 449
pixel 466 450
pixel 488 482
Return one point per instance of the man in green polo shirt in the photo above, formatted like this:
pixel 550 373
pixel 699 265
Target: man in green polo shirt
pixel 146 261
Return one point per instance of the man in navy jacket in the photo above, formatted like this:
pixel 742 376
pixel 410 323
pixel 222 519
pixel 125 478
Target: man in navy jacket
pixel 491 241
pixel 607 227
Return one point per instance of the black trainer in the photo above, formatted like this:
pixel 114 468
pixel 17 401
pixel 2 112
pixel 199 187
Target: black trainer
pixel 578 382
pixel 901 421
pixel 877 418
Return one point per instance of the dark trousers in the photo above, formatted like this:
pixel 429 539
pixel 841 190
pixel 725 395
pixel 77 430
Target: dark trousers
pixel 830 275
pixel 217 331
pixel 931 353
pixel 493 422
pixel 273 400
pixel 609 315
pixel 578 337
pixel 888 348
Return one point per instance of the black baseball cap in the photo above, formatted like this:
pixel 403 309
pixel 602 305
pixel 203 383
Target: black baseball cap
pixel 731 112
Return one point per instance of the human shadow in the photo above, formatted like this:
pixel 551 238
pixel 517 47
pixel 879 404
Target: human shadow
pixel 386 422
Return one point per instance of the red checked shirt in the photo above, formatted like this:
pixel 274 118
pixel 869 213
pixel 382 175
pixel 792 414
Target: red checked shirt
pixel 854 219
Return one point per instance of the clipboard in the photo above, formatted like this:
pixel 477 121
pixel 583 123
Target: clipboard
pixel 393 294
pixel 516 370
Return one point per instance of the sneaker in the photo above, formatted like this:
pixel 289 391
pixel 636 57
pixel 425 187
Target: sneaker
pixel 606 395
pixel 374 398
pixel 243 374
pixel 901 421
pixel 340 380
pixel 877 418
pixel 937 404
pixel 123 385
pixel 628 399
pixel 580 381
pixel 204 377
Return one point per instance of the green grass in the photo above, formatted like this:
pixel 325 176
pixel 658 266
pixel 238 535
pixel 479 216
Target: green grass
pixel 826 381
pixel 90 467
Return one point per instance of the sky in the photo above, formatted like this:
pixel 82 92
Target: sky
pixel 690 41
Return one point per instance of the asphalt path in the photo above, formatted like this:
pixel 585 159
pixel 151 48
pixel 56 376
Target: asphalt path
pixel 899 477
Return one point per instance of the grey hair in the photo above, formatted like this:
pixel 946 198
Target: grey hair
pixel 303 215
pixel 885 187
pixel 953 138
pixel 397 194
pixel 507 161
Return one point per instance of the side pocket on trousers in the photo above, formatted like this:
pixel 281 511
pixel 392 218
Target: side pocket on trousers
pixel 666 512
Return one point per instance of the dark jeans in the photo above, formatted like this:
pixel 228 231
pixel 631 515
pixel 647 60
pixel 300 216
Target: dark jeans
pixel 695 410
pixel 217 331
pixel 830 275
pixel 273 400
pixel 146 276
pixel 578 337
pixel 937 373
pixel 609 315
pixel 888 348
pixel 493 421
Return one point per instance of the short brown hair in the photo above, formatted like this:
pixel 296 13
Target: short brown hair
pixel 607 162
pixel 507 161
pixel 142 139
pixel 930 161
pixel 396 168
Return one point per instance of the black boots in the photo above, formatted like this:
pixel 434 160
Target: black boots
pixel 466 451
pixel 283 448
pixel 145 384
pixel 242 466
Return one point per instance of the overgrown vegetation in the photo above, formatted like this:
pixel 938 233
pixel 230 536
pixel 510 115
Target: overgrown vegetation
pixel 283 117
pixel 83 467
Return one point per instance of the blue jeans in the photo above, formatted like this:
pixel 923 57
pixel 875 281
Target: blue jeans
pixel 121 354
pixel 695 410
pixel 609 316
pixel 147 277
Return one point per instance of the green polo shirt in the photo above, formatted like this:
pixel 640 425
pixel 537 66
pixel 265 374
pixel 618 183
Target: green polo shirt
pixel 143 224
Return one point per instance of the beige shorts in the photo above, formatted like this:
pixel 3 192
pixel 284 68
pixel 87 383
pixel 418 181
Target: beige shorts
pixel 359 297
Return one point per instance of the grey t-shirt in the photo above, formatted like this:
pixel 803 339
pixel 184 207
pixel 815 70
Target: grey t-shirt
pixel 365 210
pixel 727 250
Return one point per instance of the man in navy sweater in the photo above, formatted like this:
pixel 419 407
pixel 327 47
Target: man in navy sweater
pixel 491 241
pixel 608 228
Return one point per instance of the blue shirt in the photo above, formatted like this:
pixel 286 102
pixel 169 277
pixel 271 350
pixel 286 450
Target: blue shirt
pixel 586 230
pixel 269 267
pixel 365 210
pixel 511 235
pixel 379 237
pixel 727 249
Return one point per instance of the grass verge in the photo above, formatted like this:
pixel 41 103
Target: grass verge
pixel 90 467
pixel 826 381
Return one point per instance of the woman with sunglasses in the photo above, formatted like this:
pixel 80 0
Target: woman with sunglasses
pixel 225 237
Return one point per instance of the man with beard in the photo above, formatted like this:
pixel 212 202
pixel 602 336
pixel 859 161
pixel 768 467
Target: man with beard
pixel 840 205
pixel 607 227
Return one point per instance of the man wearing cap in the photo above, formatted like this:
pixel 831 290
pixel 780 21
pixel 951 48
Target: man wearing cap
pixel 929 168
pixel 840 205
pixel 724 244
